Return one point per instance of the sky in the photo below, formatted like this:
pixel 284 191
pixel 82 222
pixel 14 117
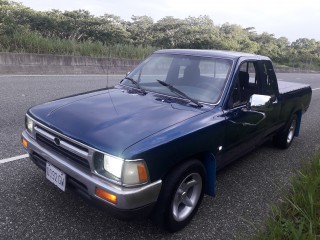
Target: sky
pixel 293 19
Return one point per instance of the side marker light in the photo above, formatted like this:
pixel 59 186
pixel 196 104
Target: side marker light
pixel 106 196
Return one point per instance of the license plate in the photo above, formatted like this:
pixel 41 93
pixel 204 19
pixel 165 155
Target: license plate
pixel 56 176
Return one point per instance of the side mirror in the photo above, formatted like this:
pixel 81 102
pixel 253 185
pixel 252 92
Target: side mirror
pixel 259 102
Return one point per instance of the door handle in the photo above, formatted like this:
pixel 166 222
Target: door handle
pixel 250 124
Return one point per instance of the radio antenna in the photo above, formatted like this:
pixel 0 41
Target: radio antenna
pixel 108 89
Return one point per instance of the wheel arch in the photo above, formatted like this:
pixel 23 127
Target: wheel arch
pixel 297 112
pixel 209 162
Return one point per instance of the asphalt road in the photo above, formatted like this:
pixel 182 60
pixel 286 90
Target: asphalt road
pixel 33 208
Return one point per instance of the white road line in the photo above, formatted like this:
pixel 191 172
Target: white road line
pixel 14 158
pixel 315 89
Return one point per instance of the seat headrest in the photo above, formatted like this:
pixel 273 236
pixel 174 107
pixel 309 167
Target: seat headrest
pixel 191 73
pixel 243 79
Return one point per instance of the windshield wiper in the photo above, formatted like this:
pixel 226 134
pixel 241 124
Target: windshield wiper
pixel 137 84
pixel 178 92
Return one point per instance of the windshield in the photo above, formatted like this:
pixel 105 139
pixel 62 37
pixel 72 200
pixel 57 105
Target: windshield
pixel 200 78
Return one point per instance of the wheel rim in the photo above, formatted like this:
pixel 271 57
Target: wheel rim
pixel 187 196
pixel 291 131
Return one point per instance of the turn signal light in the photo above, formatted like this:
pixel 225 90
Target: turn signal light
pixel 24 143
pixel 106 196
pixel 142 172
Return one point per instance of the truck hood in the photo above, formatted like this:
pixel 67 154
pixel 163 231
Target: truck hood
pixel 112 120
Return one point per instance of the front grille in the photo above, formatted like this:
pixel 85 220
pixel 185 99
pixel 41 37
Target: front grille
pixel 64 139
pixel 71 182
pixel 57 149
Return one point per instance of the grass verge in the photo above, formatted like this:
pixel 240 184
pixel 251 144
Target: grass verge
pixel 298 217
pixel 29 42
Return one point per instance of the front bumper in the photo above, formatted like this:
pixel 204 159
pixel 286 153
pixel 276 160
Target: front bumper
pixel 130 201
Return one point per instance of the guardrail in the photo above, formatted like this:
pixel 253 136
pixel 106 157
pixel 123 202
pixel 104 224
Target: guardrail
pixel 26 63
pixel 293 70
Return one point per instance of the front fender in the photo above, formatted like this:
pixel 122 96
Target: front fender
pixel 175 145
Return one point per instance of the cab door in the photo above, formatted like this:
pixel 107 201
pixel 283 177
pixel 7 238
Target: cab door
pixel 244 127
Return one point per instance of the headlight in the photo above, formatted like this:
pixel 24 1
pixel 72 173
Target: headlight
pixel 29 124
pixel 108 166
pixel 123 171
pixel 113 165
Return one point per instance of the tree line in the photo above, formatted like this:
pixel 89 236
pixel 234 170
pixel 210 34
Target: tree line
pixel 84 29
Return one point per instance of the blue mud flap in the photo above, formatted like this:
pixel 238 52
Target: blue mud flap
pixel 210 165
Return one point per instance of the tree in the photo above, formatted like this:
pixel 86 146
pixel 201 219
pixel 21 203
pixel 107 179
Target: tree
pixel 308 51
pixel 166 32
pixel 198 32
pixel 141 30
pixel 234 37
pixel 12 17
pixel 169 32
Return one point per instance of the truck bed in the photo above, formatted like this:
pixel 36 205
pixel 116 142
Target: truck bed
pixel 287 87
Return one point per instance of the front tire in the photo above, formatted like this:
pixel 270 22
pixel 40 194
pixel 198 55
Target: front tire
pixel 180 197
pixel 284 139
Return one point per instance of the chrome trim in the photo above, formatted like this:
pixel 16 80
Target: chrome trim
pixel 259 102
pixel 62 144
pixel 68 138
pixel 128 198
pixel 139 195
pixel 251 124
pixel 89 155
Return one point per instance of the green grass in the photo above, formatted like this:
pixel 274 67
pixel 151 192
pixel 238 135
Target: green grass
pixel 29 42
pixel 298 217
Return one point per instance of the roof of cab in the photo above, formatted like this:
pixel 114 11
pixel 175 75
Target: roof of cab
pixel 212 53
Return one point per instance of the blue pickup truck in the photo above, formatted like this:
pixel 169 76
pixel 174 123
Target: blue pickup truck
pixel 153 144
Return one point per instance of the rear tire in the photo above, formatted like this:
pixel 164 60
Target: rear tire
pixel 181 194
pixel 284 139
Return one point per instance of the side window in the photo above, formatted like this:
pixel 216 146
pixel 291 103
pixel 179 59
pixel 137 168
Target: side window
pixel 246 84
pixel 235 98
pixel 269 85
pixel 250 69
